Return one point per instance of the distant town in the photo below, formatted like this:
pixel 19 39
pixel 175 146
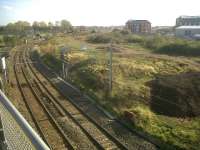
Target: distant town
pixel 187 27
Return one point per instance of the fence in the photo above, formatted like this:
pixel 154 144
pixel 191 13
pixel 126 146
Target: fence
pixel 17 132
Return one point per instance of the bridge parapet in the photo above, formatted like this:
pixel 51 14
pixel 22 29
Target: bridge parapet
pixel 17 132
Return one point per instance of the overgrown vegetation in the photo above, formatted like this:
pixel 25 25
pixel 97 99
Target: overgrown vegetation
pixel 157 44
pixel 52 62
pixel 97 38
pixel 1 41
pixel 137 79
pixel 9 40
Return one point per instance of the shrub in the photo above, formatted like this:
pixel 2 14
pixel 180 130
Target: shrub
pixel 52 62
pixel 9 40
pixel 134 39
pixel 154 42
pixel 99 38
pixel 184 49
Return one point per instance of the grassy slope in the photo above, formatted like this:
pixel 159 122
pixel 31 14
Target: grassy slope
pixel 1 41
pixel 138 76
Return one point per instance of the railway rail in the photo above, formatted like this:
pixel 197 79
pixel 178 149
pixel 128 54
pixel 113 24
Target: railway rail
pixel 68 125
pixel 96 134
pixel 69 98
pixel 54 111
pixel 45 127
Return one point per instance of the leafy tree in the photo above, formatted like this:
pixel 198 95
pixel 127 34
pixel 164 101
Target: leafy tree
pixel 57 23
pixel 66 25
pixel 22 25
pixel 50 25
pixel 42 24
pixel 39 26
pixel 19 27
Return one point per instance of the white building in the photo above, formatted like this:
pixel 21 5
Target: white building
pixel 189 32
pixel 188 21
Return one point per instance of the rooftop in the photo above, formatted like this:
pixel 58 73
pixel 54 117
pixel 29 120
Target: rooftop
pixel 188 27
pixel 138 21
pixel 187 17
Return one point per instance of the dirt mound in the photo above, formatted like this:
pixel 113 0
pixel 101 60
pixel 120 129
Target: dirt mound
pixel 176 95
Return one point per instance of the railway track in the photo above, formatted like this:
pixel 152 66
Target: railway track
pixel 57 113
pixel 100 137
pixel 38 128
pixel 68 97
pixel 61 122
pixel 45 127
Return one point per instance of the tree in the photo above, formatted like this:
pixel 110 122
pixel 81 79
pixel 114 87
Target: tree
pixel 35 26
pixel 66 26
pixel 39 26
pixel 57 23
pixel 42 24
pixel 50 25
pixel 19 27
pixel 22 25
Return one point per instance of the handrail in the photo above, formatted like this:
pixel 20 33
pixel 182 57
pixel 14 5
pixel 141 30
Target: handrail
pixel 34 138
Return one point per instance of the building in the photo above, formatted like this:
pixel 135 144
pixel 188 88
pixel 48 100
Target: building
pixel 188 21
pixel 163 30
pixel 188 32
pixel 139 26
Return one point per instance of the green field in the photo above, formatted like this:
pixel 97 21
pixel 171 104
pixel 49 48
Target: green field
pixel 160 92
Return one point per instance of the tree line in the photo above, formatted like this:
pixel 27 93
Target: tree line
pixel 23 27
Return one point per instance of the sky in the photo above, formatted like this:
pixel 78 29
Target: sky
pixel 97 12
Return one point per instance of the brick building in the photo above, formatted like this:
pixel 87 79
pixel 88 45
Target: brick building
pixel 139 26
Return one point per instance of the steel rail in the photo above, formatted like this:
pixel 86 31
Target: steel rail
pixel 35 139
pixel 104 131
pixel 52 119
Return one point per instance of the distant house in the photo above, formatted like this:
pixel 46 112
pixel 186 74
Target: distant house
pixel 189 32
pixel 188 21
pixel 139 26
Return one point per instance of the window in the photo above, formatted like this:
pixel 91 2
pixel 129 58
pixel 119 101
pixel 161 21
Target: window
pixel 188 32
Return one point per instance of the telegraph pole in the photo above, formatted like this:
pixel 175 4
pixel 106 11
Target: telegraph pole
pixel 62 59
pixel 64 63
pixel 110 69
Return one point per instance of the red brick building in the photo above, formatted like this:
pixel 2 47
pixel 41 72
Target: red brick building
pixel 139 26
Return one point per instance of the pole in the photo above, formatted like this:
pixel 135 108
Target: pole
pixel 63 63
pixel 110 70
pixel 66 65
pixel 63 69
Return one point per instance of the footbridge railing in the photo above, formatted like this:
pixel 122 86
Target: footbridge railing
pixel 16 131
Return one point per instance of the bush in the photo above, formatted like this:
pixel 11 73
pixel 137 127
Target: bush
pixel 9 40
pixel 134 39
pixel 184 49
pixel 52 62
pixel 155 42
pixel 1 41
pixel 99 38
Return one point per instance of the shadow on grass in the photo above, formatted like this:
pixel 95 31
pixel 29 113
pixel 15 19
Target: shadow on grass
pixel 179 50
pixel 176 95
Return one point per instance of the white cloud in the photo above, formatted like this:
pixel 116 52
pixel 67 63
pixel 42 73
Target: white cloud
pixel 6 7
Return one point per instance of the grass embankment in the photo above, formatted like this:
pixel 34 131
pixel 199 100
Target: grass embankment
pixel 1 41
pixel 161 95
